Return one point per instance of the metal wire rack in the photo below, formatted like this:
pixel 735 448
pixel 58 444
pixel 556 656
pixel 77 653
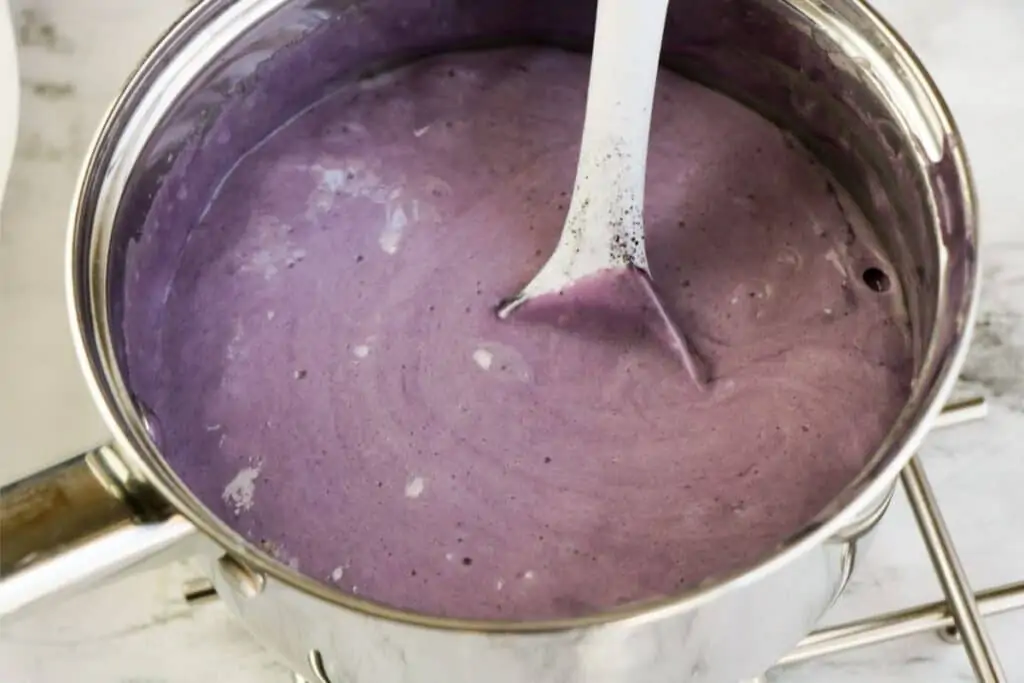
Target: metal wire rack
pixel 957 619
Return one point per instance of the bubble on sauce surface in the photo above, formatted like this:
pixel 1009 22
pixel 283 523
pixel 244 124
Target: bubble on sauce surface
pixel 414 487
pixel 240 492
pixel 483 358
pixel 270 248
pixel 503 362
pixel 395 223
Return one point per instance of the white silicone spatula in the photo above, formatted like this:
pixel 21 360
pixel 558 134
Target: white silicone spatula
pixel 604 229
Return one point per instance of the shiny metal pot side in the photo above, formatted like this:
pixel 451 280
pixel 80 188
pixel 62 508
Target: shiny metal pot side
pixel 833 73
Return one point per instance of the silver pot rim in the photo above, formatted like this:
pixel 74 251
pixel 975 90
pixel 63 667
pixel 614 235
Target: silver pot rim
pixel 87 264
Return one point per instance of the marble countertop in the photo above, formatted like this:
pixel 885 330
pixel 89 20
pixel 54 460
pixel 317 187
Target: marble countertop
pixel 74 55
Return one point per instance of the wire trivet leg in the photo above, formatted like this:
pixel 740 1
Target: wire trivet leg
pixel 959 595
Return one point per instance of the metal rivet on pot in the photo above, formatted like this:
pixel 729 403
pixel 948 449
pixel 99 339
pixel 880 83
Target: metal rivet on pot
pixel 241 579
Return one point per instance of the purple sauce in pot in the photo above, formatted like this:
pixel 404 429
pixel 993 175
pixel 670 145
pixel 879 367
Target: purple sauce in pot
pixel 332 381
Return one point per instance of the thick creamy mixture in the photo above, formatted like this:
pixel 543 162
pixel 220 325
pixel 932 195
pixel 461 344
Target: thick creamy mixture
pixel 334 381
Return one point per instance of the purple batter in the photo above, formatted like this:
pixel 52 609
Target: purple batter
pixel 334 381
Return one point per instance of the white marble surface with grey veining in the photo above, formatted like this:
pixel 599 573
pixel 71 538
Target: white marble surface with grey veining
pixel 74 55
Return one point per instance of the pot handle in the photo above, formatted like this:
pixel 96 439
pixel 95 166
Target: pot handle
pixel 77 523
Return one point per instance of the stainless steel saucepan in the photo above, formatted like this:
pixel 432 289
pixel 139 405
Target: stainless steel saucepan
pixel 831 71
